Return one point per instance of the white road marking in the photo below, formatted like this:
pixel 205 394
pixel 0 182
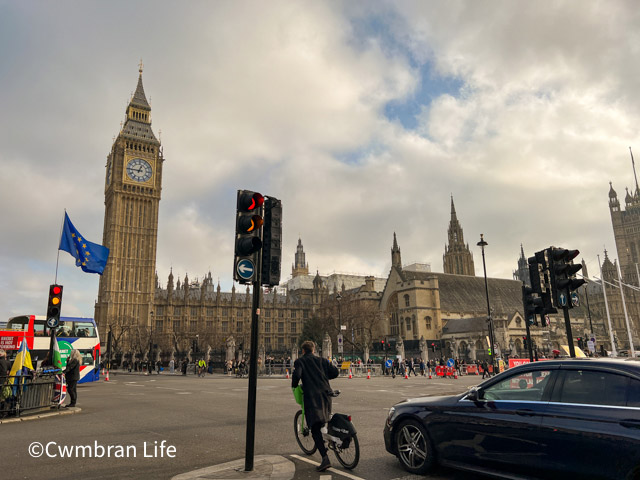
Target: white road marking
pixel 169 388
pixel 339 472
pixel 183 393
pixel 325 477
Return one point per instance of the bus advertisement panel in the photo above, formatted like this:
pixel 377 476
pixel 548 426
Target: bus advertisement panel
pixel 72 333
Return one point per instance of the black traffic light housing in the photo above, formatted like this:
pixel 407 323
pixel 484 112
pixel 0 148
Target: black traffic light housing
pixel 54 305
pixel 533 305
pixel 272 242
pixel 248 242
pixel 562 273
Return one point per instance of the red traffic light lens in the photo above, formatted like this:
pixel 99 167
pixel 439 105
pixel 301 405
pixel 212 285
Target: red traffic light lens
pixel 56 290
pixel 249 201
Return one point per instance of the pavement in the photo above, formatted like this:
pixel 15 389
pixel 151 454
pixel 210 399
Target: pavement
pixel 42 413
pixel 274 467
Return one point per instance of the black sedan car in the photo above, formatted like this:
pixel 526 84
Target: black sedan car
pixel 560 419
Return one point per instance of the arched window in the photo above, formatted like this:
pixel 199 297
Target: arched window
pixel 406 301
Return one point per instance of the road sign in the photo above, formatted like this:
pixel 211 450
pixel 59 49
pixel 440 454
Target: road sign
pixel 451 362
pixel 340 344
pixel 575 299
pixel 245 269
pixel 388 363
pixel 562 300
pixel 591 346
pixel 52 322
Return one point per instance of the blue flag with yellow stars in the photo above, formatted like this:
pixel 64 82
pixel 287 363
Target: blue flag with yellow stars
pixel 91 257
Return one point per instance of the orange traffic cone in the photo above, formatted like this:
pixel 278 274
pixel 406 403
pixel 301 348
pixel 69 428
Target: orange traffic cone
pixel 406 377
pixel 287 370
pixel 368 374
pixel 455 376
pixel 429 375
pixel 350 376
pixel 107 377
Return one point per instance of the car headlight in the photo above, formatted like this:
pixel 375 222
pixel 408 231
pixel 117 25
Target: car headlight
pixel 392 410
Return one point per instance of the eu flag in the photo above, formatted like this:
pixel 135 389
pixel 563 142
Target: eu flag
pixel 91 257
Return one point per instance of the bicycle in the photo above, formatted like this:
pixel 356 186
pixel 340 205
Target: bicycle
pixel 339 433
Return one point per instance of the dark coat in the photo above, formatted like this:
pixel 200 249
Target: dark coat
pixel 5 368
pixel 315 373
pixel 72 371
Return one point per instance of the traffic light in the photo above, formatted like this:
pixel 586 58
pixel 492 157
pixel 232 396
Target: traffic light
pixel 433 347
pixel 540 283
pixel 563 281
pixel 580 343
pixel 249 223
pixel 382 345
pixel 54 305
pixel 533 304
pixel 272 242
pixel 525 342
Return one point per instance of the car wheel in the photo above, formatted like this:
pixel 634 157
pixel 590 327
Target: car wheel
pixel 415 451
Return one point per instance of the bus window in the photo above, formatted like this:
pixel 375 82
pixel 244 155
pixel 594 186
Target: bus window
pixel 39 327
pixel 63 332
pixel 84 329
pixel 87 357
pixel 20 323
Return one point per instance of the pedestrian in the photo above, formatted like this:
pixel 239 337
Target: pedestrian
pixel 315 373
pixel 72 375
pixel 485 369
pixel 184 367
pixel 172 366
pixel 422 367
pixel 457 365
pixel 158 367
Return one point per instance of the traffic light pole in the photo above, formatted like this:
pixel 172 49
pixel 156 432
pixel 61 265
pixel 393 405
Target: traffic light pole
pixel 529 342
pixel 253 370
pixel 567 323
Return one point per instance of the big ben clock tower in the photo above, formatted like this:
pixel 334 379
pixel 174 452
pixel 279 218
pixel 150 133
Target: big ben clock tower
pixel 131 197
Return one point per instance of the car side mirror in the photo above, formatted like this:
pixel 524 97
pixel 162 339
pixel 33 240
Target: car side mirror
pixel 474 394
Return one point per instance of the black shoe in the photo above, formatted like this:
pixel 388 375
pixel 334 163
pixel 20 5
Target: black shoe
pixel 325 465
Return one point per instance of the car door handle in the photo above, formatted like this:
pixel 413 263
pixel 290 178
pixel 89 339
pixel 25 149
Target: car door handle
pixel 525 412
pixel 630 423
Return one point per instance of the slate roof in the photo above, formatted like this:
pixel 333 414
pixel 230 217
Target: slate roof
pixel 138 131
pixel 465 325
pixel 336 280
pixel 139 99
pixel 467 293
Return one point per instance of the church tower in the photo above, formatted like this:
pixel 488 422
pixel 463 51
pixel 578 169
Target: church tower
pixel 457 257
pixel 300 267
pixel 522 273
pixel 132 190
pixel 626 229
pixel 396 258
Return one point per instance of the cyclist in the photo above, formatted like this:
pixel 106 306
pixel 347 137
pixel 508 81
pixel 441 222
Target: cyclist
pixel 315 373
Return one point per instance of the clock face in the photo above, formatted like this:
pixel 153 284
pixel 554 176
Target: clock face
pixel 139 170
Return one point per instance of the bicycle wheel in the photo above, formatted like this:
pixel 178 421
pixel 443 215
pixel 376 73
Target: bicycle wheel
pixel 348 453
pixel 303 434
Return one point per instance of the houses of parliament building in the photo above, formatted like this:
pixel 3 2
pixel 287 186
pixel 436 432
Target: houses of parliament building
pixel 411 305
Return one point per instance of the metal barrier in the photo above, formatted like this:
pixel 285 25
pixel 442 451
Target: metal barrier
pixel 26 393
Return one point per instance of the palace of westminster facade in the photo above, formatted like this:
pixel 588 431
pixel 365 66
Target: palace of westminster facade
pixel 411 305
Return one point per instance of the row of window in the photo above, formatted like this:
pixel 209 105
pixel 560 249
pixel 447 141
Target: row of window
pixel 226 327
pixel 227 312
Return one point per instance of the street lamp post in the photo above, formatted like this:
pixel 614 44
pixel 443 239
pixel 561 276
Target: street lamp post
pixel 483 244
pixel 150 344
pixel 339 298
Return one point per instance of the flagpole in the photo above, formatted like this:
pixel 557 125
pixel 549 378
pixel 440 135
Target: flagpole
pixel 58 250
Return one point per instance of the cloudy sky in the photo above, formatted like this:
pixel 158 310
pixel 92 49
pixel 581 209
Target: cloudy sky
pixel 362 117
